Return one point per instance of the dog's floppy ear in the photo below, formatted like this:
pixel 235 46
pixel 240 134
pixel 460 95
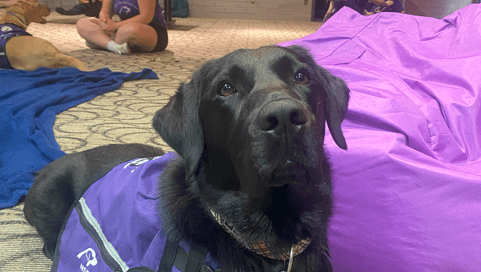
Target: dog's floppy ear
pixel 179 125
pixel 34 12
pixel 337 96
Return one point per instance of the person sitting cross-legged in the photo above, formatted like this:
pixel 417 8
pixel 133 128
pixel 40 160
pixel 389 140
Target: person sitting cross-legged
pixel 142 27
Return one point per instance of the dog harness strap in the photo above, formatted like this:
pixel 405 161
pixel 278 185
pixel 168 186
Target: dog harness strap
pixel 169 255
pixel 176 256
pixel 181 259
pixel 196 258
pixel 92 227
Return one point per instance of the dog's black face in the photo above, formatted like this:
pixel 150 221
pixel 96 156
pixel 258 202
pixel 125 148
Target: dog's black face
pixel 250 129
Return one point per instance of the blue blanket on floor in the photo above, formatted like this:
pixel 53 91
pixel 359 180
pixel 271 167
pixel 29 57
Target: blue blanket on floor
pixel 29 102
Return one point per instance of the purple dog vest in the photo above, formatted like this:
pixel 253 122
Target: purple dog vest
pixel 8 31
pixel 115 226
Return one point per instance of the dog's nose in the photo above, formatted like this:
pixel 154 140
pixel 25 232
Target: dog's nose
pixel 282 114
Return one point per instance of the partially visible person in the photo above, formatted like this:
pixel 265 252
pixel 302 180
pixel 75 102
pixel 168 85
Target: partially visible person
pixel 336 5
pixel 142 27
pixel 376 6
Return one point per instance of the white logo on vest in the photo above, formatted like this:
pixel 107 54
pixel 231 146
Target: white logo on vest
pixel 6 29
pixel 91 258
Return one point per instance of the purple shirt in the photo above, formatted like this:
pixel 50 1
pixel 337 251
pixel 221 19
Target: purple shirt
pixel 126 9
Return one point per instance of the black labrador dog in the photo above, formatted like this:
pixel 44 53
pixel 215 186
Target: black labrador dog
pixel 252 183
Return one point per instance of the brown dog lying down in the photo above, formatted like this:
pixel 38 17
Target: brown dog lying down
pixel 21 50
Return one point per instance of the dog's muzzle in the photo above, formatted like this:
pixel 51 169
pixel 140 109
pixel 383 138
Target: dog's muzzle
pixel 290 173
pixel 282 116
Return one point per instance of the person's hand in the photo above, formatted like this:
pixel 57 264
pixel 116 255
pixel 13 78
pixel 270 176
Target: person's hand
pixel 109 25
pixel 367 13
pixel 103 16
pixel 389 3
pixel 109 30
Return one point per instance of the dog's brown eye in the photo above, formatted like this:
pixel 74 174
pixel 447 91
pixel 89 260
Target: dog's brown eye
pixel 227 89
pixel 301 78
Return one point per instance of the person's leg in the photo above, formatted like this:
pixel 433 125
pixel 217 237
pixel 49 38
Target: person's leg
pixel 137 35
pixel 92 30
pixel 328 12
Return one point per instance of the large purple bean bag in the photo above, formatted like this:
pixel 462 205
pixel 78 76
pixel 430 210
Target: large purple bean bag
pixel 407 191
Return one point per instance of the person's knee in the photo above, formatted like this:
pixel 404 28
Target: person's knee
pixel 132 30
pixel 81 23
pixel 136 33
pixel 84 26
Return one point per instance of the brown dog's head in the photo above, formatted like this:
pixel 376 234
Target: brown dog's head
pixel 25 12
pixel 250 129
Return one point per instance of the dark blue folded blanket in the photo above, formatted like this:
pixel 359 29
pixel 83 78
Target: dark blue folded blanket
pixel 29 102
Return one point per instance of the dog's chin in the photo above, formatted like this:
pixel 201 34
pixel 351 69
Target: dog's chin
pixel 290 172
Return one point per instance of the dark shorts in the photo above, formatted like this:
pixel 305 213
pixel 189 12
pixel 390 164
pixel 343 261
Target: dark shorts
pixel 352 4
pixel 8 31
pixel 396 7
pixel 162 39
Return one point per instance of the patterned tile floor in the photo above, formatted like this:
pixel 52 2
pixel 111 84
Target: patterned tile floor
pixel 124 115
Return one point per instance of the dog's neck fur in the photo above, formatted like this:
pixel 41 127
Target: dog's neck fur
pixel 12 18
pixel 185 217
